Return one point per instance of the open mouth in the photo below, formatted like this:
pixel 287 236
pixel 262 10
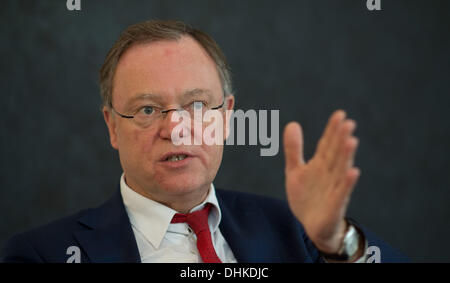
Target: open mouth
pixel 175 158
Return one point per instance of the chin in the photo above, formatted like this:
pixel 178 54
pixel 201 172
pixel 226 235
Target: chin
pixel 179 185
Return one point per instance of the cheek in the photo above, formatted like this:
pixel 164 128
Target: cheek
pixel 136 143
pixel 213 155
pixel 143 143
pixel 214 129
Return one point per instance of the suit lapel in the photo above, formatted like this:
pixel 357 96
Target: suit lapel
pixel 249 236
pixel 110 237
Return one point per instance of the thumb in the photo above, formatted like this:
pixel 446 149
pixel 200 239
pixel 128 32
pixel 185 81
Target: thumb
pixel 293 145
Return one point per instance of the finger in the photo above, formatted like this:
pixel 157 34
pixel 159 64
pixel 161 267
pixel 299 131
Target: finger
pixel 337 142
pixel 345 188
pixel 293 145
pixel 352 144
pixel 345 160
pixel 333 124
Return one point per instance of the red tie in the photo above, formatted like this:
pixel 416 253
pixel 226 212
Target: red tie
pixel 198 221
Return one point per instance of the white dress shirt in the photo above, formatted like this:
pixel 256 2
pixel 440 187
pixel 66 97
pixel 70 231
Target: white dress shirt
pixel 158 240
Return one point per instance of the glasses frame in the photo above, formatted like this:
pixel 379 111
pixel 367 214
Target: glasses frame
pixel 163 112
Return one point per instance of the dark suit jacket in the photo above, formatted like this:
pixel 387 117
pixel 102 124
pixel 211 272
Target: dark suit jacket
pixel 258 229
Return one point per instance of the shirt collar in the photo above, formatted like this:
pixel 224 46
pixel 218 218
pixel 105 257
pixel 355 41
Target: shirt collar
pixel 152 218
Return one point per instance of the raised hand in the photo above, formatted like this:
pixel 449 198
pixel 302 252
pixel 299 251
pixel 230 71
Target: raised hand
pixel 318 191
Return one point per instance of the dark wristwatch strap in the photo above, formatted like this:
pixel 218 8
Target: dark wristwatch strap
pixel 362 243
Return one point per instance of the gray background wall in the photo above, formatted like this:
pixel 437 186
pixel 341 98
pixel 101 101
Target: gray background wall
pixel 388 69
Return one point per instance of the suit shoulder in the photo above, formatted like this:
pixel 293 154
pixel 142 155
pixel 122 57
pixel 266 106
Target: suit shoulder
pixel 246 196
pixel 267 204
pixel 28 246
pixel 58 225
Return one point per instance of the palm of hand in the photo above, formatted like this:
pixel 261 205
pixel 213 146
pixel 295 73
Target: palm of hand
pixel 318 191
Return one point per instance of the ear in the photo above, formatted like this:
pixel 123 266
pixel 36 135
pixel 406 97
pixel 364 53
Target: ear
pixel 111 123
pixel 229 105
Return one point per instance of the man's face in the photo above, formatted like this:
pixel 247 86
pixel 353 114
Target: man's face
pixel 164 74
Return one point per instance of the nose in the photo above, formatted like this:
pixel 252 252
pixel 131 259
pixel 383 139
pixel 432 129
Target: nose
pixel 174 126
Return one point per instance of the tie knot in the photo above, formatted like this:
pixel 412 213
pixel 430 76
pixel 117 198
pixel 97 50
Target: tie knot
pixel 197 220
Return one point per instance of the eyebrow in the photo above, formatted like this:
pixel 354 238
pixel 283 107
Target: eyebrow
pixel 157 98
pixel 154 97
pixel 143 96
pixel 197 92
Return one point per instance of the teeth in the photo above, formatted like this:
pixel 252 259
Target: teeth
pixel 176 157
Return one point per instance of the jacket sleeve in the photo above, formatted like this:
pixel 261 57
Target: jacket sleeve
pixel 380 251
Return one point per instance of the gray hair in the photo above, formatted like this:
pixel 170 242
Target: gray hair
pixel 155 30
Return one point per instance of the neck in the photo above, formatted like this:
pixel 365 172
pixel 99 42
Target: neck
pixel 181 202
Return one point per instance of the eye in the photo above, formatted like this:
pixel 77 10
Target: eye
pixel 198 105
pixel 147 110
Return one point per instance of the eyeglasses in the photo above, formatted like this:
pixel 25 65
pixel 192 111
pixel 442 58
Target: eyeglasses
pixel 146 115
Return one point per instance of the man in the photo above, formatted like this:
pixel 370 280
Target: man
pixel 167 209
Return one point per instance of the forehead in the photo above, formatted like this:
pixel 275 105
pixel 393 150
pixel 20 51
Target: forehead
pixel 165 68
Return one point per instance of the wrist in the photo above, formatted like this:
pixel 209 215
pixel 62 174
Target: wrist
pixel 333 245
pixel 352 245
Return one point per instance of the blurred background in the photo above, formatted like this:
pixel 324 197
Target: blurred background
pixel 388 69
